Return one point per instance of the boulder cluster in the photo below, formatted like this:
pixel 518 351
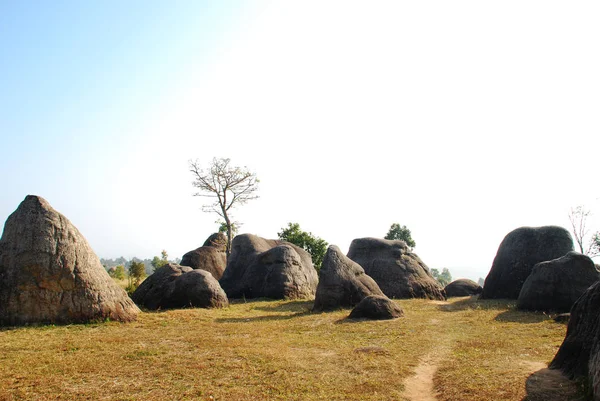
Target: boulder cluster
pixel 50 274
pixel 538 267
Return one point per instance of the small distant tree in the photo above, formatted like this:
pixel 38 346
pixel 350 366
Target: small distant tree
pixel 312 244
pixel 137 272
pixel 400 232
pixel 444 278
pixel 578 218
pixel 157 262
pixel 117 272
pixel 227 185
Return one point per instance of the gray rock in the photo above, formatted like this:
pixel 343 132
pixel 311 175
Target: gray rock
pixel 342 282
pixel 395 268
pixel 258 267
pixel 562 318
pixel 376 307
pixel 50 274
pixel 175 287
pixel 210 257
pixel 579 355
pixel 520 250
pixel 555 285
pixel 462 288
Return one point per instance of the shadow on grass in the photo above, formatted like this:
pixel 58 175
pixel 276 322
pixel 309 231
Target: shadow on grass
pixel 264 318
pixel 473 302
pixel 552 385
pixel 290 306
pixel 506 308
pixel 517 316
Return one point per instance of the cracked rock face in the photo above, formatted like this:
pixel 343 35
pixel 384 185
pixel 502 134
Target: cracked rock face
pixel 343 282
pixel 398 271
pixel 259 267
pixel 50 274
pixel 210 257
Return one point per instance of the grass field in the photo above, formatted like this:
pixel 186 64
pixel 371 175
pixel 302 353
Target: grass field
pixel 278 350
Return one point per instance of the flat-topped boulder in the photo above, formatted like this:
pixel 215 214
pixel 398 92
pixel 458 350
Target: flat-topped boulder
pixel 462 287
pixel 50 274
pixel 579 355
pixel 342 282
pixel 175 287
pixel 519 251
pixel 210 257
pixel 555 285
pixel 376 307
pixel 259 267
pixel 398 271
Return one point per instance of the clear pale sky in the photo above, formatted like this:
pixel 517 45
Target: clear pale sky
pixel 462 120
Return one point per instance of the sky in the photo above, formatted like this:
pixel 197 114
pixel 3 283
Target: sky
pixel 461 120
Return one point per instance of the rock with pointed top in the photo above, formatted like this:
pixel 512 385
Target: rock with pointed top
pixel 175 287
pixel 259 267
pixel 342 282
pixel 210 257
pixel 519 251
pixel 398 271
pixel 50 274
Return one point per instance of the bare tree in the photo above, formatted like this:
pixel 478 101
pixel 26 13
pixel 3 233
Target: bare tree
pixel 229 186
pixel 578 218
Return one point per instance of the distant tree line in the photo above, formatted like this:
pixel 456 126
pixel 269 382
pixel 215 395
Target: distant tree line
pixel 150 265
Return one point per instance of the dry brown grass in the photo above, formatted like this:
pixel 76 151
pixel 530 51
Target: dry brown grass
pixel 278 350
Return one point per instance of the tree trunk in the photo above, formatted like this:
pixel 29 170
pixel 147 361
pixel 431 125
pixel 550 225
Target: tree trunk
pixel 228 249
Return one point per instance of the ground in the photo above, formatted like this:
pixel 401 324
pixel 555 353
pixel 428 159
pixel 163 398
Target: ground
pixel 464 349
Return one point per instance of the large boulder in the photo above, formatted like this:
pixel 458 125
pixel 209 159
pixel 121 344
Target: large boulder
pixel 555 285
pixel 259 267
pixel 462 288
pixel 210 257
pixel 375 307
pixel 579 355
pixel 50 274
pixel 395 268
pixel 174 286
pixel 519 251
pixel 342 282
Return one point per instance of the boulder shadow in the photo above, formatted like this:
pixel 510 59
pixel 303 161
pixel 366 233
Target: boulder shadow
pixel 290 306
pixel 473 302
pixel 552 385
pixel 263 318
pixel 518 316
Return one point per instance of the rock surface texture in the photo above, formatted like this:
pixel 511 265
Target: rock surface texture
pixel 342 282
pixel 555 285
pixel 398 272
pixel 579 355
pixel 519 251
pixel 174 287
pixel 376 307
pixel 259 267
pixel 210 257
pixel 462 288
pixel 50 274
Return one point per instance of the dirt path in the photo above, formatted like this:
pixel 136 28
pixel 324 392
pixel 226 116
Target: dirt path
pixel 419 386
